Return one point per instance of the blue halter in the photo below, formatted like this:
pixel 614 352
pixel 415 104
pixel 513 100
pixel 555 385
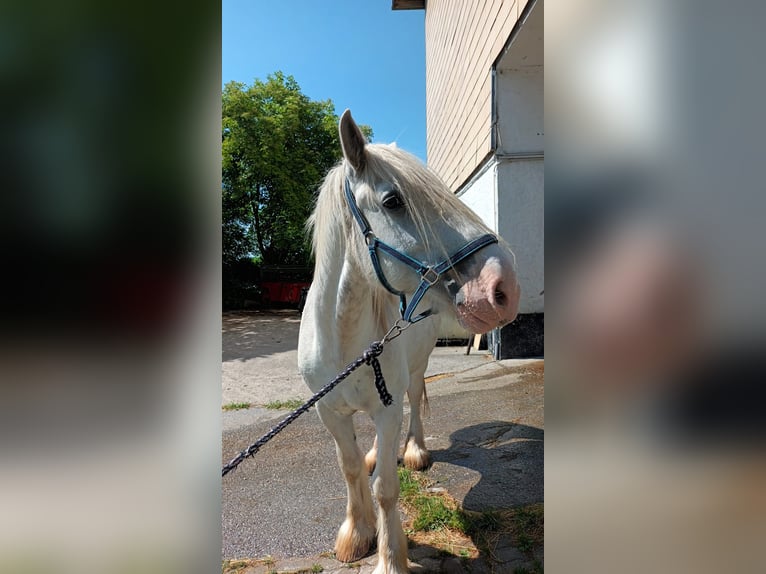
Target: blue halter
pixel 429 275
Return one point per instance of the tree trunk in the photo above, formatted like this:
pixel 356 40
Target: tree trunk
pixel 257 225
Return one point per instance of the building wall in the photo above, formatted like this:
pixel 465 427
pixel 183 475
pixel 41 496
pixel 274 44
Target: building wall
pixel 519 198
pixel 519 93
pixel 481 195
pixel 520 149
pixel 463 39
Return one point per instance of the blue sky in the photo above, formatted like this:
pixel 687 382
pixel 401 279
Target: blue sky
pixel 359 53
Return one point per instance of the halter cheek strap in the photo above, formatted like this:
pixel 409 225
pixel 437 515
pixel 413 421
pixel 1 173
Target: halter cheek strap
pixel 429 274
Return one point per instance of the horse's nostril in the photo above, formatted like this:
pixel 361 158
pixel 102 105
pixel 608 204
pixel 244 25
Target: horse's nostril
pixel 500 297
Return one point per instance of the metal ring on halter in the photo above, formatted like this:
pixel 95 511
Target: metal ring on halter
pixel 425 277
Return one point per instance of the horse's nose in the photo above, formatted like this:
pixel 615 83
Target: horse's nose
pixel 491 299
pixel 503 293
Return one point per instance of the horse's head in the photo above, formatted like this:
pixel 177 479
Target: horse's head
pixel 410 210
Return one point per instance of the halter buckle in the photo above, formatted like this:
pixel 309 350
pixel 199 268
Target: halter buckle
pixel 427 276
pixel 369 238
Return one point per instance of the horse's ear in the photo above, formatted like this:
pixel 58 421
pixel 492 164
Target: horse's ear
pixel 352 141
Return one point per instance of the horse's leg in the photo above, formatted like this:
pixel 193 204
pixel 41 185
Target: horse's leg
pixel 371 457
pixel 392 544
pixel 416 457
pixel 357 533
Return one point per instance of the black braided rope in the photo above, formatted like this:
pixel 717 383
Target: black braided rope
pixel 376 349
pixel 370 357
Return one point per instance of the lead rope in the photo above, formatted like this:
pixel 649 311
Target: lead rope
pixel 369 357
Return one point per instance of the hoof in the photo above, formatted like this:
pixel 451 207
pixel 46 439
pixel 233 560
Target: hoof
pixel 353 544
pixel 381 568
pixel 416 458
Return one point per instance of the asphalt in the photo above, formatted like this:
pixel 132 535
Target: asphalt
pixel 485 434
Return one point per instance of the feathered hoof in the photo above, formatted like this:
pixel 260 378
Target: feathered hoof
pixel 416 458
pixel 391 568
pixel 352 544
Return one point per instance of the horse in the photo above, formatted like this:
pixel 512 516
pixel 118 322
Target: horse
pixel 380 222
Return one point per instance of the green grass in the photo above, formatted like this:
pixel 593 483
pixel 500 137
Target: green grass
pixel 408 485
pixel 433 514
pixel 317 568
pixel 236 566
pixel 236 406
pixel 439 514
pixel 528 526
pixel 431 511
pixel 290 404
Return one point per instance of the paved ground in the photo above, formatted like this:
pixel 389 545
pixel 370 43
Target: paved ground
pixel 485 433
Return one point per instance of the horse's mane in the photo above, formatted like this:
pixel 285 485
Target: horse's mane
pixel 426 198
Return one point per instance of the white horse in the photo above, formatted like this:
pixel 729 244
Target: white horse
pixel 383 197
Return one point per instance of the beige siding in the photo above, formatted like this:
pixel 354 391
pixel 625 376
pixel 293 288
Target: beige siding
pixel 463 39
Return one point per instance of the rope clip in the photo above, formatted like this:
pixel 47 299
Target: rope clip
pixel 399 326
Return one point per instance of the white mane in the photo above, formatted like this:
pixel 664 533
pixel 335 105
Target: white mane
pixel 426 198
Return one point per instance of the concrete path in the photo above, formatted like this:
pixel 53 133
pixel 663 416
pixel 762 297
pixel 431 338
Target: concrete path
pixel 485 433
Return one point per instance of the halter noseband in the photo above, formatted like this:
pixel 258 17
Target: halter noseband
pixel 429 274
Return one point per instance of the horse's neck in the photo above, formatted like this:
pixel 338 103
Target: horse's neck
pixel 347 316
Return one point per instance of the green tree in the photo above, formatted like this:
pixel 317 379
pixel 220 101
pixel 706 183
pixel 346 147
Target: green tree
pixel 277 146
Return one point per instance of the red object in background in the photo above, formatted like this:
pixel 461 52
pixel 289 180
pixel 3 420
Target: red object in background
pixel 281 292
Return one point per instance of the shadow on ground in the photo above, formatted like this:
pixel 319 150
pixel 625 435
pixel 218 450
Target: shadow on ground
pixel 509 458
pixel 251 334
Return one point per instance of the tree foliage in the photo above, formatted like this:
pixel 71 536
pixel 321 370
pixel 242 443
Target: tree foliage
pixel 277 146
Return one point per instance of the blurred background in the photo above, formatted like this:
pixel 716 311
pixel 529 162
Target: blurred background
pixel 110 332
pixel 654 209
pixel 110 297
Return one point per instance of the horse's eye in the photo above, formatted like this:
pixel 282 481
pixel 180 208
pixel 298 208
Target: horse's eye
pixel 393 200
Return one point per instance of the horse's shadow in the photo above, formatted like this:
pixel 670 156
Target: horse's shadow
pixel 508 459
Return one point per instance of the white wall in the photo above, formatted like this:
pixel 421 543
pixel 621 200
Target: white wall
pixel 519 89
pixel 481 195
pixel 521 224
pixel 519 94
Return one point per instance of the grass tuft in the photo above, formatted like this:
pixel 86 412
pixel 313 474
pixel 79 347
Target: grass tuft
pixel 528 526
pixel 236 566
pixel 290 404
pixel 236 406
pixel 408 485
